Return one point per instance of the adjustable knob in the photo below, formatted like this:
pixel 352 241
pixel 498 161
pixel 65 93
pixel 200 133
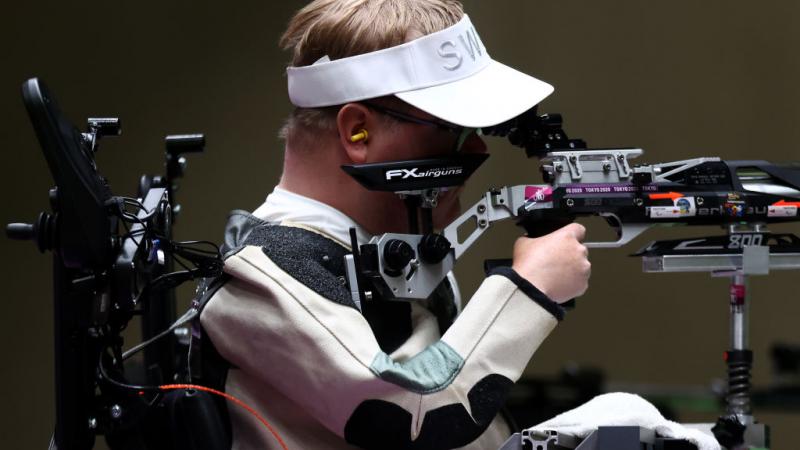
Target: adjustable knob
pixel 42 231
pixel 396 256
pixel 433 248
pixel 20 231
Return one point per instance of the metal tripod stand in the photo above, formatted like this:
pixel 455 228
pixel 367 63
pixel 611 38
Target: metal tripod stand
pixel 748 251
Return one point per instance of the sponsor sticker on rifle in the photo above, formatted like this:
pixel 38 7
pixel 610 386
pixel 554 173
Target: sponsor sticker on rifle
pixel 609 188
pixel 781 211
pixel 734 208
pixel 538 193
pixel 682 207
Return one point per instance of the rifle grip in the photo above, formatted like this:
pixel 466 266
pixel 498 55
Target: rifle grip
pixel 538 228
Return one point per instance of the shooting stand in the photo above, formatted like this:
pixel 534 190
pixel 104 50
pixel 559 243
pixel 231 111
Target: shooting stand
pixel 750 250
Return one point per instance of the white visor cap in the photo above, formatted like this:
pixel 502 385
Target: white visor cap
pixel 447 74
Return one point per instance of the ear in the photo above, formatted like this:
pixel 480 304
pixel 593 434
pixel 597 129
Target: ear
pixel 351 119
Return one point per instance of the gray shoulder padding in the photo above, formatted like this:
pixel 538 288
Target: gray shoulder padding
pixel 312 259
pixel 240 224
pixel 429 371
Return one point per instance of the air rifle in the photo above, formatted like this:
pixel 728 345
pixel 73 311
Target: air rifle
pixel 743 196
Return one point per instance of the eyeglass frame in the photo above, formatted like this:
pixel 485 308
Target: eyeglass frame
pixel 460 131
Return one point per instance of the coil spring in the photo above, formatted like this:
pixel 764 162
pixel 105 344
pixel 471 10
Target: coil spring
pixel 739 386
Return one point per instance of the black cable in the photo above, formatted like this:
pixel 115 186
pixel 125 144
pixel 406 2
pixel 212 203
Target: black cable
pixel 105 376
pixel 133 218
pixel 194 246
pixel 187 274
pixel 178 261
pixel 133 233
pixel 187 316
pixel 196 251
pixel 129 232
pixel 134 201
pixel 133 387
pixel 198 242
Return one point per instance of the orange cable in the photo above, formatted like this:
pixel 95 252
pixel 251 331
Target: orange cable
pixel 229 397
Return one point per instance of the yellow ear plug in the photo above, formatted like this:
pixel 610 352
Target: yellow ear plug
pixel 362 135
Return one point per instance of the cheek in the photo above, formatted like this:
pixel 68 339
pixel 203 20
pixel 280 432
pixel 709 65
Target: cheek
pixel 425 147
pixel 397 145
pixel 424 144
pixel 474 144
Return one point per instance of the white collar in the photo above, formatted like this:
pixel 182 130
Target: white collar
pixel 282 206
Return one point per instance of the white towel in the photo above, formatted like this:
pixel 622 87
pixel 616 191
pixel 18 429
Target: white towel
pixel 622 409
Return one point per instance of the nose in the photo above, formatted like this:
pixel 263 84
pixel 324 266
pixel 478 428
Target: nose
pixel 474 144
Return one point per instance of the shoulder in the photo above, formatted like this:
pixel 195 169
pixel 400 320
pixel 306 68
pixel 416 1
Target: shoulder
pixel 308 257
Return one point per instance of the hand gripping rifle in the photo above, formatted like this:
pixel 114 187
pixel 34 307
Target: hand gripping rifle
pixel 741 196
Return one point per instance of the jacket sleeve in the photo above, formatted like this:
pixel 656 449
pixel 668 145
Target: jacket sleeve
pixel 324 356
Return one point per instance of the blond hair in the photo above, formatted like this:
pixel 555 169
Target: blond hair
pixel 342 28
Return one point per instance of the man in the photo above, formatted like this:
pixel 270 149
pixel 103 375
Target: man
pixel 379 80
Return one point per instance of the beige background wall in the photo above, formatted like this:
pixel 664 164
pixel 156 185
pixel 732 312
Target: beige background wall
pixel 678 78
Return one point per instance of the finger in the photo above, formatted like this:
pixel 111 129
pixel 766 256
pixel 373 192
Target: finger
pixel 577 230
